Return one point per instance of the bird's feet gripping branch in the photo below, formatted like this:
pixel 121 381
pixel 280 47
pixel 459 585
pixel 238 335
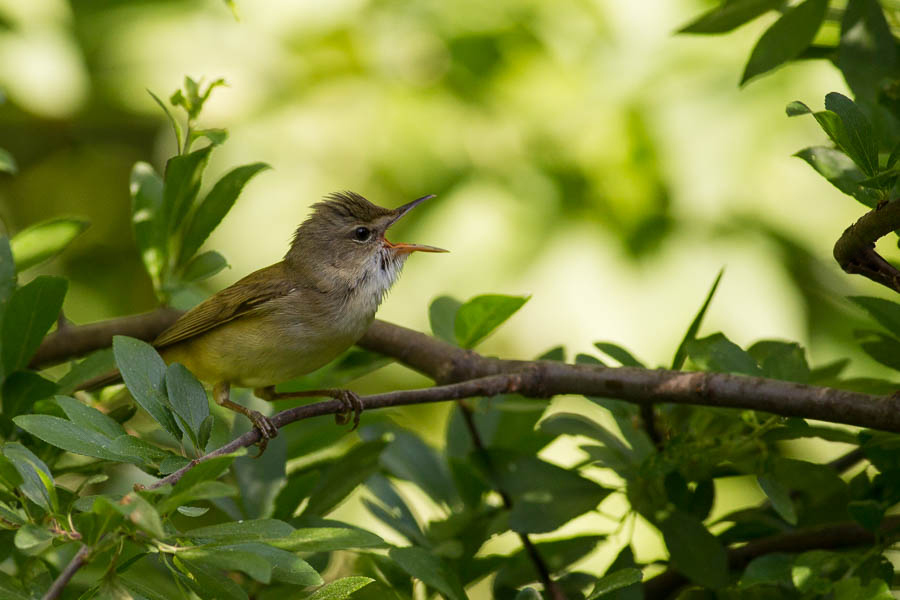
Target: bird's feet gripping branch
pixel 267 429
pixel 350 401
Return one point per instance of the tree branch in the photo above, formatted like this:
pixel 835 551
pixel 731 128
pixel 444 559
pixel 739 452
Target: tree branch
pixel 78 561
pixel 827 537
pixel 446 363
pixel 855 249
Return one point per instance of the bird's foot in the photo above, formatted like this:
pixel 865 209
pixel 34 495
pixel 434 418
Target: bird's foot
pixel 350 402
pixel 267 429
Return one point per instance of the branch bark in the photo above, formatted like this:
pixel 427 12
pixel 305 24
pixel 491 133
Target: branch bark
pixel 59 584
pixel 446 363
pixel 855 249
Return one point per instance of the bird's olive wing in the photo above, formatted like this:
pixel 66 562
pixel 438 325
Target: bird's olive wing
pixel 238 299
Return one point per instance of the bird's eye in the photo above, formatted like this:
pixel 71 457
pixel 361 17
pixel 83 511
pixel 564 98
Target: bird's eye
pixel 362 234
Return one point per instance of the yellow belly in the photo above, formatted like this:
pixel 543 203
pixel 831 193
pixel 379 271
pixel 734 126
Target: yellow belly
pixel 259 351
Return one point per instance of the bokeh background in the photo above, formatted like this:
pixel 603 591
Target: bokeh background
pixel 581 152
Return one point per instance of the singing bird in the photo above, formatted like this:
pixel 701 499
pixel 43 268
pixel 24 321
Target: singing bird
pixel 290 318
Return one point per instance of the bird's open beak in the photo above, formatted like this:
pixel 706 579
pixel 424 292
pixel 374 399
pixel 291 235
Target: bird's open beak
pixel 409 248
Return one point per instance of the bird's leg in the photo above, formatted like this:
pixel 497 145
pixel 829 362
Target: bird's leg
pixel 350 401
pixel 267 429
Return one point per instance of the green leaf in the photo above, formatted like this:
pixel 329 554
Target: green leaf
pixel 729 15
pixel 779 496
pixel 96 364
pixel 342 477
pixel 327 539
pixel 769 569
pixel 430 570
pixel 352 364
pixel 89 417
pixel 144 373
pixel 37 481
pixel 68 436
pixel 214 207
pixel 797 108
pixel 781 360
pixel 182 184
pixel 252 530
pixel 231 558
pixel 545 496
pixel 193 511
pixel 11 589
pixel 209 583
pixel 203 266
pixel 44 240
pixel 786 38
pixel 140 451
pixel 884 181
pixel 141 514
pixel 148 220
pixel 188 399
pixel 32 539
pixel 481 315
pixel 868 513
pixel 409 457
pixel 560 554
pixel 840 171
pixel 207 470
pixel 618 353
pixel 7 272
pixel 528 593
pixel 694 551
pixel 7 162
pixel 859 141
pixel 883 348
pixel 176 126
pixel 867 52
pixel 718 353
pixel 615 581
pixel 691 334
pixel 30 312
pixel 286 566
pixel 887 313
pixel 442 317
pixel 205 490
pixel 22 389
pixel 342 589
pixel 894 156
pixel 393 510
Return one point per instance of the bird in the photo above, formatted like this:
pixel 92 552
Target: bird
pixel 292 317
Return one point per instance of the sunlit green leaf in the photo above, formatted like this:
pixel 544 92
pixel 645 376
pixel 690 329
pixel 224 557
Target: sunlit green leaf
pixel 840 171
pixel 617 580
pixel 618 353
pixel 718 353
pixel 327 539
pixel 786 38
pixel 213 208
pixel 37 481
pixel 42 241
pixel 694 327
pixel 859 141
pixel 253 530
pixel 203 266
pixel 90 417
pixel 182 184
pixel 729 15
pixel 188 399
pixel 68 436
pixel 478 317
pixel 342 589
pixel 148 220
pixel 231 558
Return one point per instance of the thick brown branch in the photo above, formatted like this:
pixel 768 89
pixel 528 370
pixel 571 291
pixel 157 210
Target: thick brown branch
pixel 446 363
pixel 78 561
pixel 827 537
pixel 855 249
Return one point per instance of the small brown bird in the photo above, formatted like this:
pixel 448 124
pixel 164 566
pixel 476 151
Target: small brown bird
pixel 291 318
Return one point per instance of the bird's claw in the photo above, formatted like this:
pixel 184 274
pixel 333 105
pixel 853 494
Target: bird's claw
pixel 350 403
pixel 267 430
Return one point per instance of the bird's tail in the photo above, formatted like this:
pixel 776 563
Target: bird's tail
pixel 100 381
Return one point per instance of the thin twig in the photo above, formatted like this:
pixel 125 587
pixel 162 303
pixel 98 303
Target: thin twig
pixel 531 550
pixel 78 561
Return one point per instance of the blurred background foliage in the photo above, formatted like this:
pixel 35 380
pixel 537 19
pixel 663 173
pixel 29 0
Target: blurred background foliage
pixel 581 152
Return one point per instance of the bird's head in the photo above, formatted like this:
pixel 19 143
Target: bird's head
pixel 343 242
